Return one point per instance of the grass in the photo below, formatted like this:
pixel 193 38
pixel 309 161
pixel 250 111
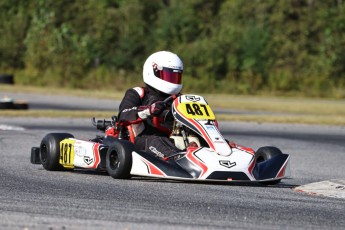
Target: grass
pixel 279 104
pixel 293 119
pixel 282 109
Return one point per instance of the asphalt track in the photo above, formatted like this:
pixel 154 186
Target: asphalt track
pixel 32 198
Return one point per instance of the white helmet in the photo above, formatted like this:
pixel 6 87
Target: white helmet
pixel 163 71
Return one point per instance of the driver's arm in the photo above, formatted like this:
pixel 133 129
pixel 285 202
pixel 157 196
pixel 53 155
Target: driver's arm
pixel 129 106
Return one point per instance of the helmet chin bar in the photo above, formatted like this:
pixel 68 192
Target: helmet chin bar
pixel 167 87
pixel 169 93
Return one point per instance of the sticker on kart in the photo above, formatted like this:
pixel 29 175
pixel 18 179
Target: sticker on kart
pixel 67 153
pixel 78 153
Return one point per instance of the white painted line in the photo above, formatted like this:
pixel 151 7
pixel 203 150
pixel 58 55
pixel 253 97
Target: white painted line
pixel 331 188
pixel 10 127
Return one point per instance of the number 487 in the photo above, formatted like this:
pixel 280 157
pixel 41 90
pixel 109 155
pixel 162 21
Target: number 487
pixel 195 109
pixel 65 153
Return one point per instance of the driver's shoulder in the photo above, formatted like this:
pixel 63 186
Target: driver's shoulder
pixel 139 90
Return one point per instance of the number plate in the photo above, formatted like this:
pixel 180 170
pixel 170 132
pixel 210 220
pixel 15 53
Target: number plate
pixel 196 111
pixel 67 153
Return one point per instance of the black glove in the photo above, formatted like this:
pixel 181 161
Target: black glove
pixel 167 115
pixel 157 108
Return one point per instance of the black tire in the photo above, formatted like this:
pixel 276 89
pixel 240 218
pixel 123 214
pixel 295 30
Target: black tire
pixel 6 79
pixel 6 105
pixel 264 154
pixel 50 150
pixel 119 159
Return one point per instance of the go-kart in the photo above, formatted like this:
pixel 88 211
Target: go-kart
pixel 210 157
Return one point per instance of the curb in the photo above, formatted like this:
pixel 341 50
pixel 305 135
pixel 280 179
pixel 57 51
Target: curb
pixel 330 188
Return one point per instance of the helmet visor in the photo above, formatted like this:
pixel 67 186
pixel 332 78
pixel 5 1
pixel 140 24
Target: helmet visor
pixel 170 75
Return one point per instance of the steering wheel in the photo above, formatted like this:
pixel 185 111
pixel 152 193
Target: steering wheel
pixel 170 98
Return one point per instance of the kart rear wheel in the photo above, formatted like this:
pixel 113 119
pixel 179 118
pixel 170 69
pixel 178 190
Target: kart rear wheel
pixel 119 159
pixel 6 105
pixel 264 154
pixel 50 150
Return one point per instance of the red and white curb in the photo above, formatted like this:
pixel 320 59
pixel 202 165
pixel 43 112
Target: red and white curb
pixel 10 127
pixel 330 188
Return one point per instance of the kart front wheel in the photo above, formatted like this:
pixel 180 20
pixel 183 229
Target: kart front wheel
pixel 264 154
pixel 50 150
pixel 119 159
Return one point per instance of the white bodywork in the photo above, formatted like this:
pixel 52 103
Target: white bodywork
pixel 205 158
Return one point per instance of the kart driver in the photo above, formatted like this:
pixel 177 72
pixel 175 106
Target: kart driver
pixel 162 74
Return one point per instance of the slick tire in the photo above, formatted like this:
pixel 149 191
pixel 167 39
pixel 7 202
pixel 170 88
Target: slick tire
pixel 264 154
pixel 6 79
pixel 119 159
pixel 6 105
pixel 50 150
